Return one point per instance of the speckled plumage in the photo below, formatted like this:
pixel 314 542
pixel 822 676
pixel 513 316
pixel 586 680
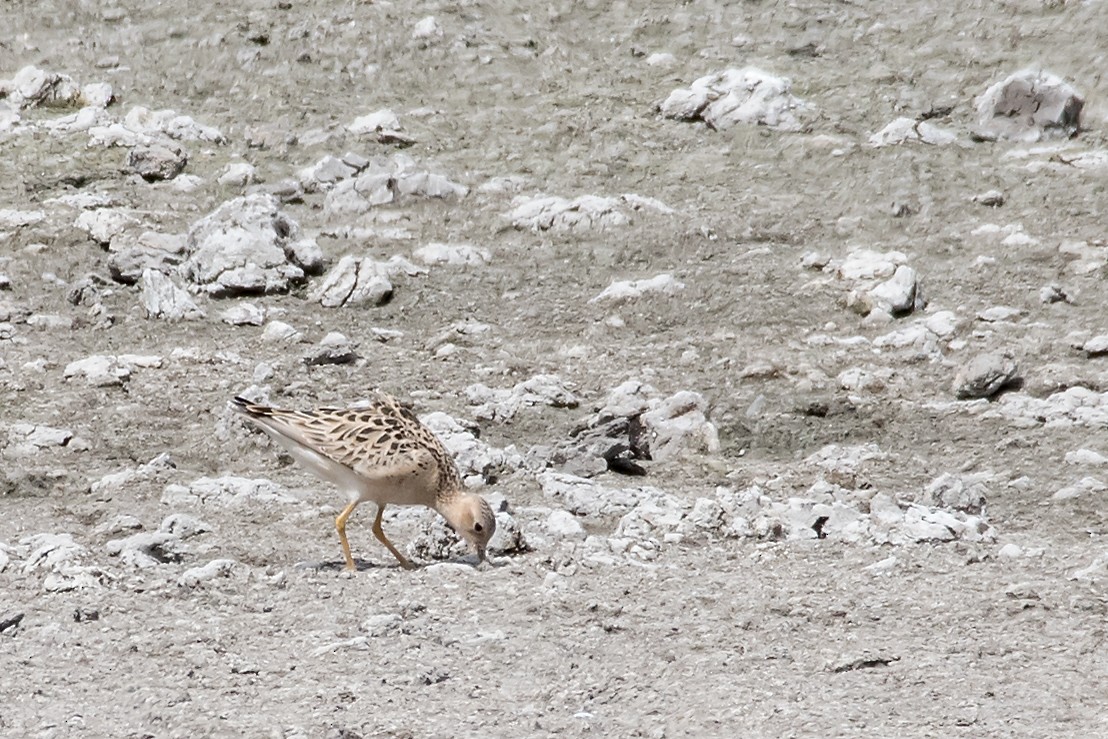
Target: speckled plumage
pixel 379 452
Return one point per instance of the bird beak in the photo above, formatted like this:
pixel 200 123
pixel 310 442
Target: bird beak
pixel 481 555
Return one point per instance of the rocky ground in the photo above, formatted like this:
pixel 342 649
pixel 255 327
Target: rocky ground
pixel 774 332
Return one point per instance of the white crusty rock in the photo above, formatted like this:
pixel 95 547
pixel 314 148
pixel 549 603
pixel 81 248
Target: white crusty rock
pixel 237 174
pixel 32 87
pixel 1083 487
pixel 623 290
pixel 248 246
pixel 244 314
pixel 10 218
pixel 732 96
pixel 502 404
pixel 387 180
pixel 985 375
pixel 680 423
pixel 279 331
pixel 99 370
pixel 155 162
pixel 334 348
pixel 1029 105
pixel 1097 346
pixel 1074 406
pixel 142 126
pixel 426 28
pixel 583 213
pixel 649 524
pixel 131 254
pixel 478 463
pixel 104 224
pixel 584 497
pixel 64 561
pixel 908 130
pixel 147 549
pixel 195 576
pixel 361 281
pixel 454 255
pixel 900 294
pixel 28 439
pixel 964 492
pixel 227 492
pixel 161 298
pixel 126 480
pixel 377 121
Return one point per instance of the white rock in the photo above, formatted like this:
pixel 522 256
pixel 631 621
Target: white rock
pixel 504 404
pixel 354 281
pixel 984 376
pixel 900 294
pixel 244 314
pixel 227 492
pixel 998 314
pixel 194 576
pixel 563 525
pixel 962 492
pixel 618 291
pixel 38 436
pixel 1010 551
pixel 104 224
pixel 1096 346
pixel 237 174
pixel 679 423
pixel 241 248
pixel 943 323
pixel 583 213
pixel 33 87
pixel 381 120
pixel 1082 487
pixel 146 549
pixel 1086 457
pixel 99 370
pixel 162 299
pixel 455 255
pixel 866 264
pixel 279 331
pixel 426 28
pixel 12 219
pixel 882 567
pixel 733 96
pixel 477 461
pixel 183 525
pixel 661 59
pixel 1029 105
pixel 904 130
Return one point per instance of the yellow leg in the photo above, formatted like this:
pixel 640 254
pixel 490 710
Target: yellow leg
pixel 340 526
pixel 380 534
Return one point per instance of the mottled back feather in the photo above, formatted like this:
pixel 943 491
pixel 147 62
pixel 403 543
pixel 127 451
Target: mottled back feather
pixel 381 440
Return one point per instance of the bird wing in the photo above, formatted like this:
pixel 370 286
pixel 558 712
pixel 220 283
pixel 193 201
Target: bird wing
pixel 376 442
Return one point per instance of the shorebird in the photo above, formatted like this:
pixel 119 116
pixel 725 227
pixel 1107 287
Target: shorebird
pixel 380 452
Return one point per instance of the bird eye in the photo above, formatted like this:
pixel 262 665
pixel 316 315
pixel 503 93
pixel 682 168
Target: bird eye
pixel 478 527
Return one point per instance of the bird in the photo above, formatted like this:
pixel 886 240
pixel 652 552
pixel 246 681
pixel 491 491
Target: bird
pixel 378 452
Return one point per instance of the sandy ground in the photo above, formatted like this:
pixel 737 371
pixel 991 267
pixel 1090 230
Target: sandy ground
pixel 715 636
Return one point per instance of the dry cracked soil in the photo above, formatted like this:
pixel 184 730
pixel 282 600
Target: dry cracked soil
pixel 759 635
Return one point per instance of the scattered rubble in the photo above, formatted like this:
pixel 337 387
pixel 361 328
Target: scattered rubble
pixel 503 404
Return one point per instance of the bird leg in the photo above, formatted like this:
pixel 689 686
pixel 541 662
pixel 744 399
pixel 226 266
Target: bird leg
pixel 340 526
pixel 380 534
